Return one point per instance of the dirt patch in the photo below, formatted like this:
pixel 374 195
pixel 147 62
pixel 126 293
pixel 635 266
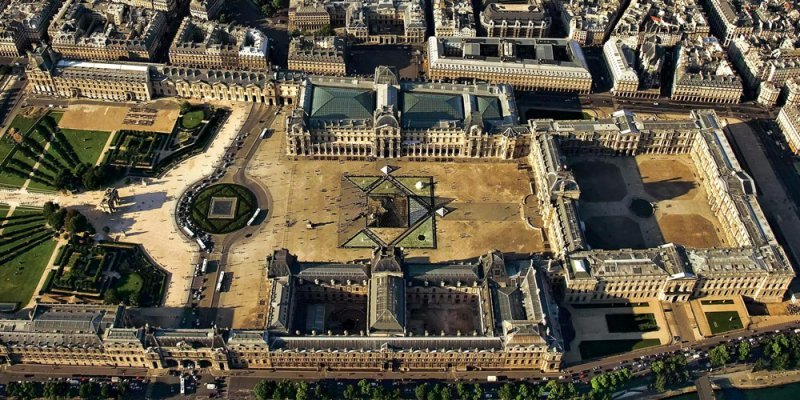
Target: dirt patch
pixel 613 233
pixel 113 118
pixel 667 179
pixel 599 181
pixel 689 230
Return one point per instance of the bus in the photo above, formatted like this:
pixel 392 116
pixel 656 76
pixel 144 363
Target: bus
pixel 252 219
pixel 219 281
pixel 263 134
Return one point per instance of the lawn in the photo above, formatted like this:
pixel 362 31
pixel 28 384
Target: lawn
pixel 20 275
pixel 128 284
pixel 631 323
pixel 87 144
pixel 192 119
pixel 245 207
pixel 22 123
pixel 601 348
pixel 723 321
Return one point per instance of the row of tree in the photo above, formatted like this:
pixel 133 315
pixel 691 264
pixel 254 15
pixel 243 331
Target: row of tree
pixel 602 387
pixel 63 390
pixel 69 220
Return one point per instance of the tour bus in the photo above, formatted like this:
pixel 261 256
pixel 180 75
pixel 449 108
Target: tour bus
pixel 252 219
pixel 263 133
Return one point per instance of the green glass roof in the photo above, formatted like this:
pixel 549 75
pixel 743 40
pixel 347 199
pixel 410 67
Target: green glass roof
pixel 424 110
pixel 489 107
pixel 331 103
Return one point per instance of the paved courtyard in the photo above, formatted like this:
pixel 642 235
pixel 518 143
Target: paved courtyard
pixel 669 182
pixel 484 199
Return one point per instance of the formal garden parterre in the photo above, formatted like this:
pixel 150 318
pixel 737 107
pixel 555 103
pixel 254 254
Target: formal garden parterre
pixel 106 271
pixel 223 208
pixel 35 148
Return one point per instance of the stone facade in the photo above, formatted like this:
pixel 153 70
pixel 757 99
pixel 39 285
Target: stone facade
pixel 553 65
pixel 527 20
pixel 208 44
pixel 453 18
pixel 339 118
pixel 318 55
pixel 23 23
pixel 704 74
pixel 87 30
pixel 755 266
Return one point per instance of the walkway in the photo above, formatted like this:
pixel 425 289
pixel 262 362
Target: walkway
pixel 146 212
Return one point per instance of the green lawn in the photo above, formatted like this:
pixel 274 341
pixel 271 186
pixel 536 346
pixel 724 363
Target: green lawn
pixel 723 321
pixel 6 145
pixel 129 283
pixel 22 123
pixel 601 348
pixel 631 323
pixel 20 276
pixel 88 145
pixel 192 119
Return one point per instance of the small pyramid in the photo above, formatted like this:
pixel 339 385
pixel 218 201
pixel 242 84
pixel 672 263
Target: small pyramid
pixel 441 211
pixel 387 170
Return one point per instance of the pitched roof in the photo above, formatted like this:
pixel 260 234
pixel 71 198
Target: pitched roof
pixel 425 110
pixel 333 103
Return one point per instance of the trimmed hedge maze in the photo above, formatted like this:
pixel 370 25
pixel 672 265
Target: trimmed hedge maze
pixel 114 272
pixel 26 245
pixel 246 205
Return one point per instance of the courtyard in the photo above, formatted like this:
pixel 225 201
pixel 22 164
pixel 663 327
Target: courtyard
pixel 613 187
pixel 616 328
pixel 719 315
pixel 484 203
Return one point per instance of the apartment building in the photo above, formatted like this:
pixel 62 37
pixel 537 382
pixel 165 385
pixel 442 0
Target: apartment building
pixel 23 23
pixel 704 74
pixel 208 44
pixel 318 55
pixel 98 30
pixel 553 65
pixel 525 20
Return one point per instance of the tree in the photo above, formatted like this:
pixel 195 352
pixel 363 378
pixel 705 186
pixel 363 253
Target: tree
pixel 743 350
pixel 56 220
pixel 350 392
pixel 48 209
pixel 105 391
pixel 719 355
pixel 111 296
pixel 435 392
pixel 186 107
pixel 302 391
pixel 446 393
pixel 461 391
pixel 363 387
pixel 87 390
pixel 506 392
pixel 421 392
pixel 477 392
pixel 326 30
pixel 671 371
pixel 77 224
pixel 277 4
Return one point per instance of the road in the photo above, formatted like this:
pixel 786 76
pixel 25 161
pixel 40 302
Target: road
pixel 571 102
pixel 243 151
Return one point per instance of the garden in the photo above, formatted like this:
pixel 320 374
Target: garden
pixel 111 271
pixel 631 323
pixel 62 155
pixel 136 149
pixel 26 245
pixel 723 321
pixel 152 152
pixel 223 208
